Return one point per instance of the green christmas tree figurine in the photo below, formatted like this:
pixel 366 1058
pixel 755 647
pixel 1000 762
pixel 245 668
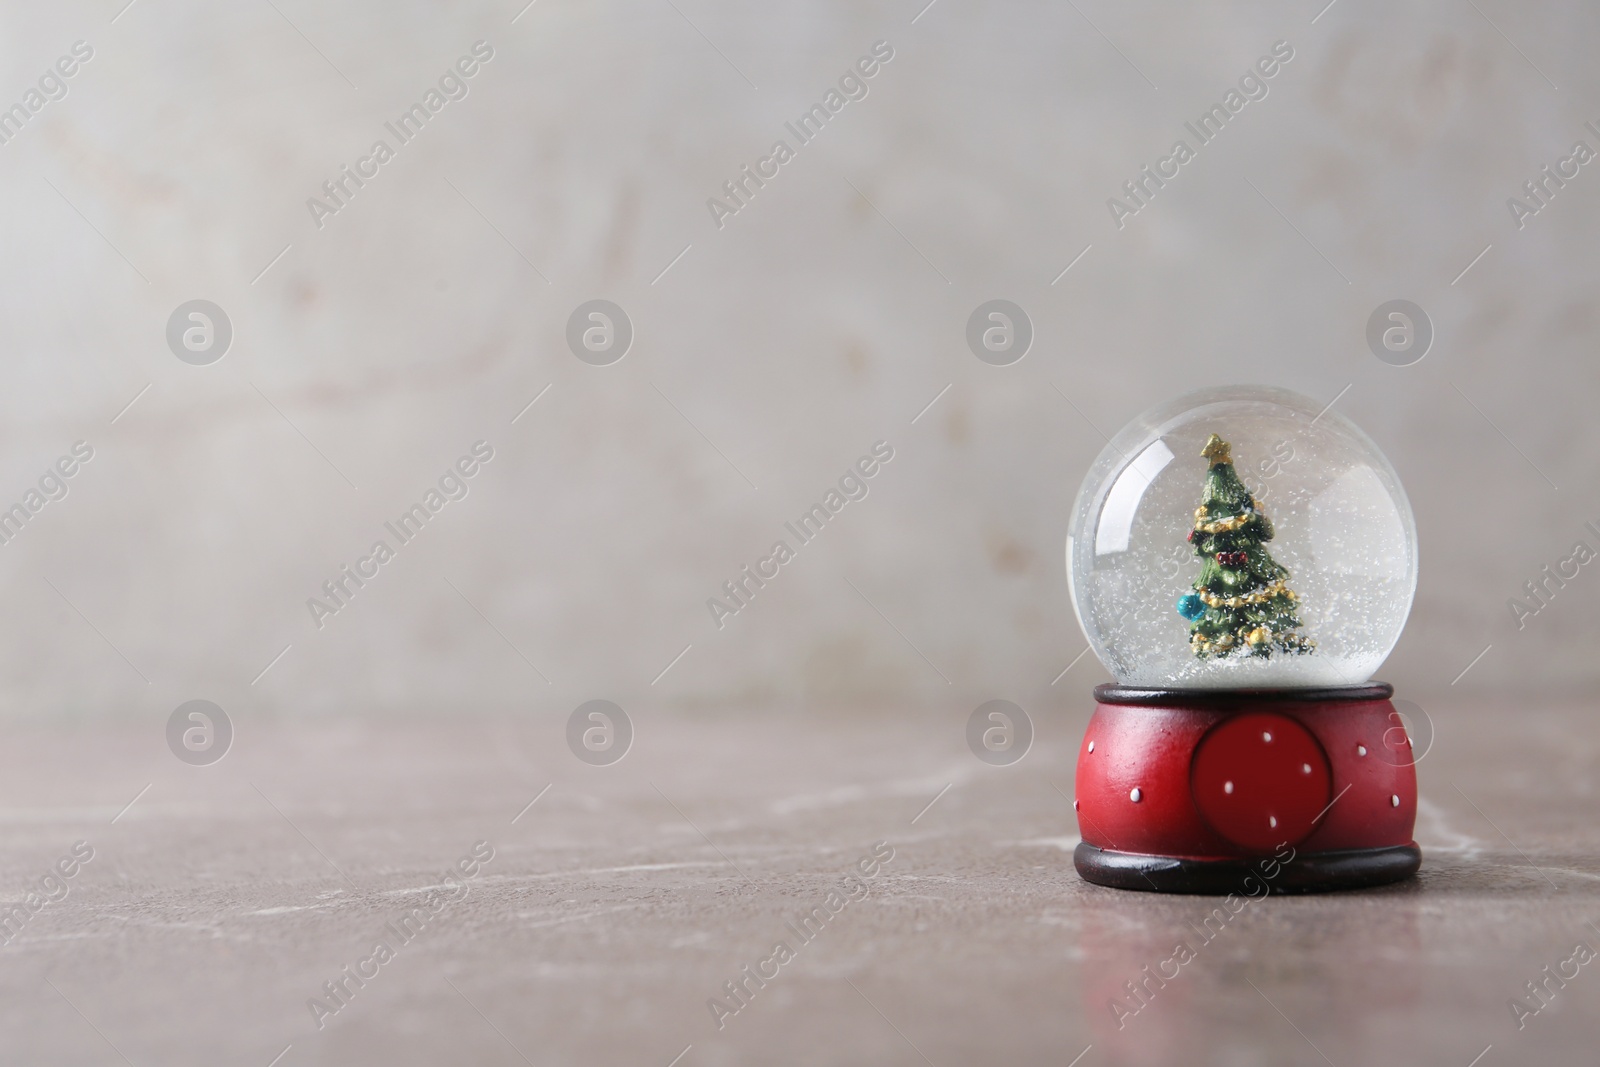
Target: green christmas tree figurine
pixel 1241 604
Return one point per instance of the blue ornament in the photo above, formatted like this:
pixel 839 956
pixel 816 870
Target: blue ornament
pixel 1191 607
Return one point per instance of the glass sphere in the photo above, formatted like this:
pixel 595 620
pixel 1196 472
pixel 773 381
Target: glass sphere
pixel 1242 537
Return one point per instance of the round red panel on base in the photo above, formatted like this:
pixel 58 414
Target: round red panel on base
pixel 1260 780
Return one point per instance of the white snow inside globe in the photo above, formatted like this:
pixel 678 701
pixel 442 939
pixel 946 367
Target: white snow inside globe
pixel 1242 537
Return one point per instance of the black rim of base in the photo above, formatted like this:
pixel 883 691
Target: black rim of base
pixel 1190 698
pixel 1310 872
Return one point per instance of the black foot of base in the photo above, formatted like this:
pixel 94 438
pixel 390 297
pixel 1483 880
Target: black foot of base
pixel 1311 872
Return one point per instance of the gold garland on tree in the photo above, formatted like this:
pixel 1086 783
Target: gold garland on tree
pixel 1259 639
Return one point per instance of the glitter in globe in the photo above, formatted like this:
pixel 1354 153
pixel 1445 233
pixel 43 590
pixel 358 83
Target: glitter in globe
pixel 1277 529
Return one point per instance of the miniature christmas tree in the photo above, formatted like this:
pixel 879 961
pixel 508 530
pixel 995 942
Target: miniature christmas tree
pixel 1241 604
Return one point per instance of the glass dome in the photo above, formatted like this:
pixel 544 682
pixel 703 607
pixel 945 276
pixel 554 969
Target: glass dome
pixel 1242 537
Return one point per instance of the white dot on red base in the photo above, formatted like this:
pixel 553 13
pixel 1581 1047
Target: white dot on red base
pixel 1394 801
pixel 1361 750
pixel 1091 746
pixel 1267 737
pixel 1305 768
pixel 1227 787
pixel 1272 821
pixel 1074 805
pixel 1137 796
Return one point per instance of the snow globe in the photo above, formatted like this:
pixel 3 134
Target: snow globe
pixel 1242 560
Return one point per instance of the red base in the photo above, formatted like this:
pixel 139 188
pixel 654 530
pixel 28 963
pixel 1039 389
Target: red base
pixel 1198 782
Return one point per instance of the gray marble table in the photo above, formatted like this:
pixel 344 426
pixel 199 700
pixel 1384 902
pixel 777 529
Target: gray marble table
pixel 218 908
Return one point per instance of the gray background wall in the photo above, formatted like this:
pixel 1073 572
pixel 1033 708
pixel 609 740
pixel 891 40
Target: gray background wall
pixel 820 319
